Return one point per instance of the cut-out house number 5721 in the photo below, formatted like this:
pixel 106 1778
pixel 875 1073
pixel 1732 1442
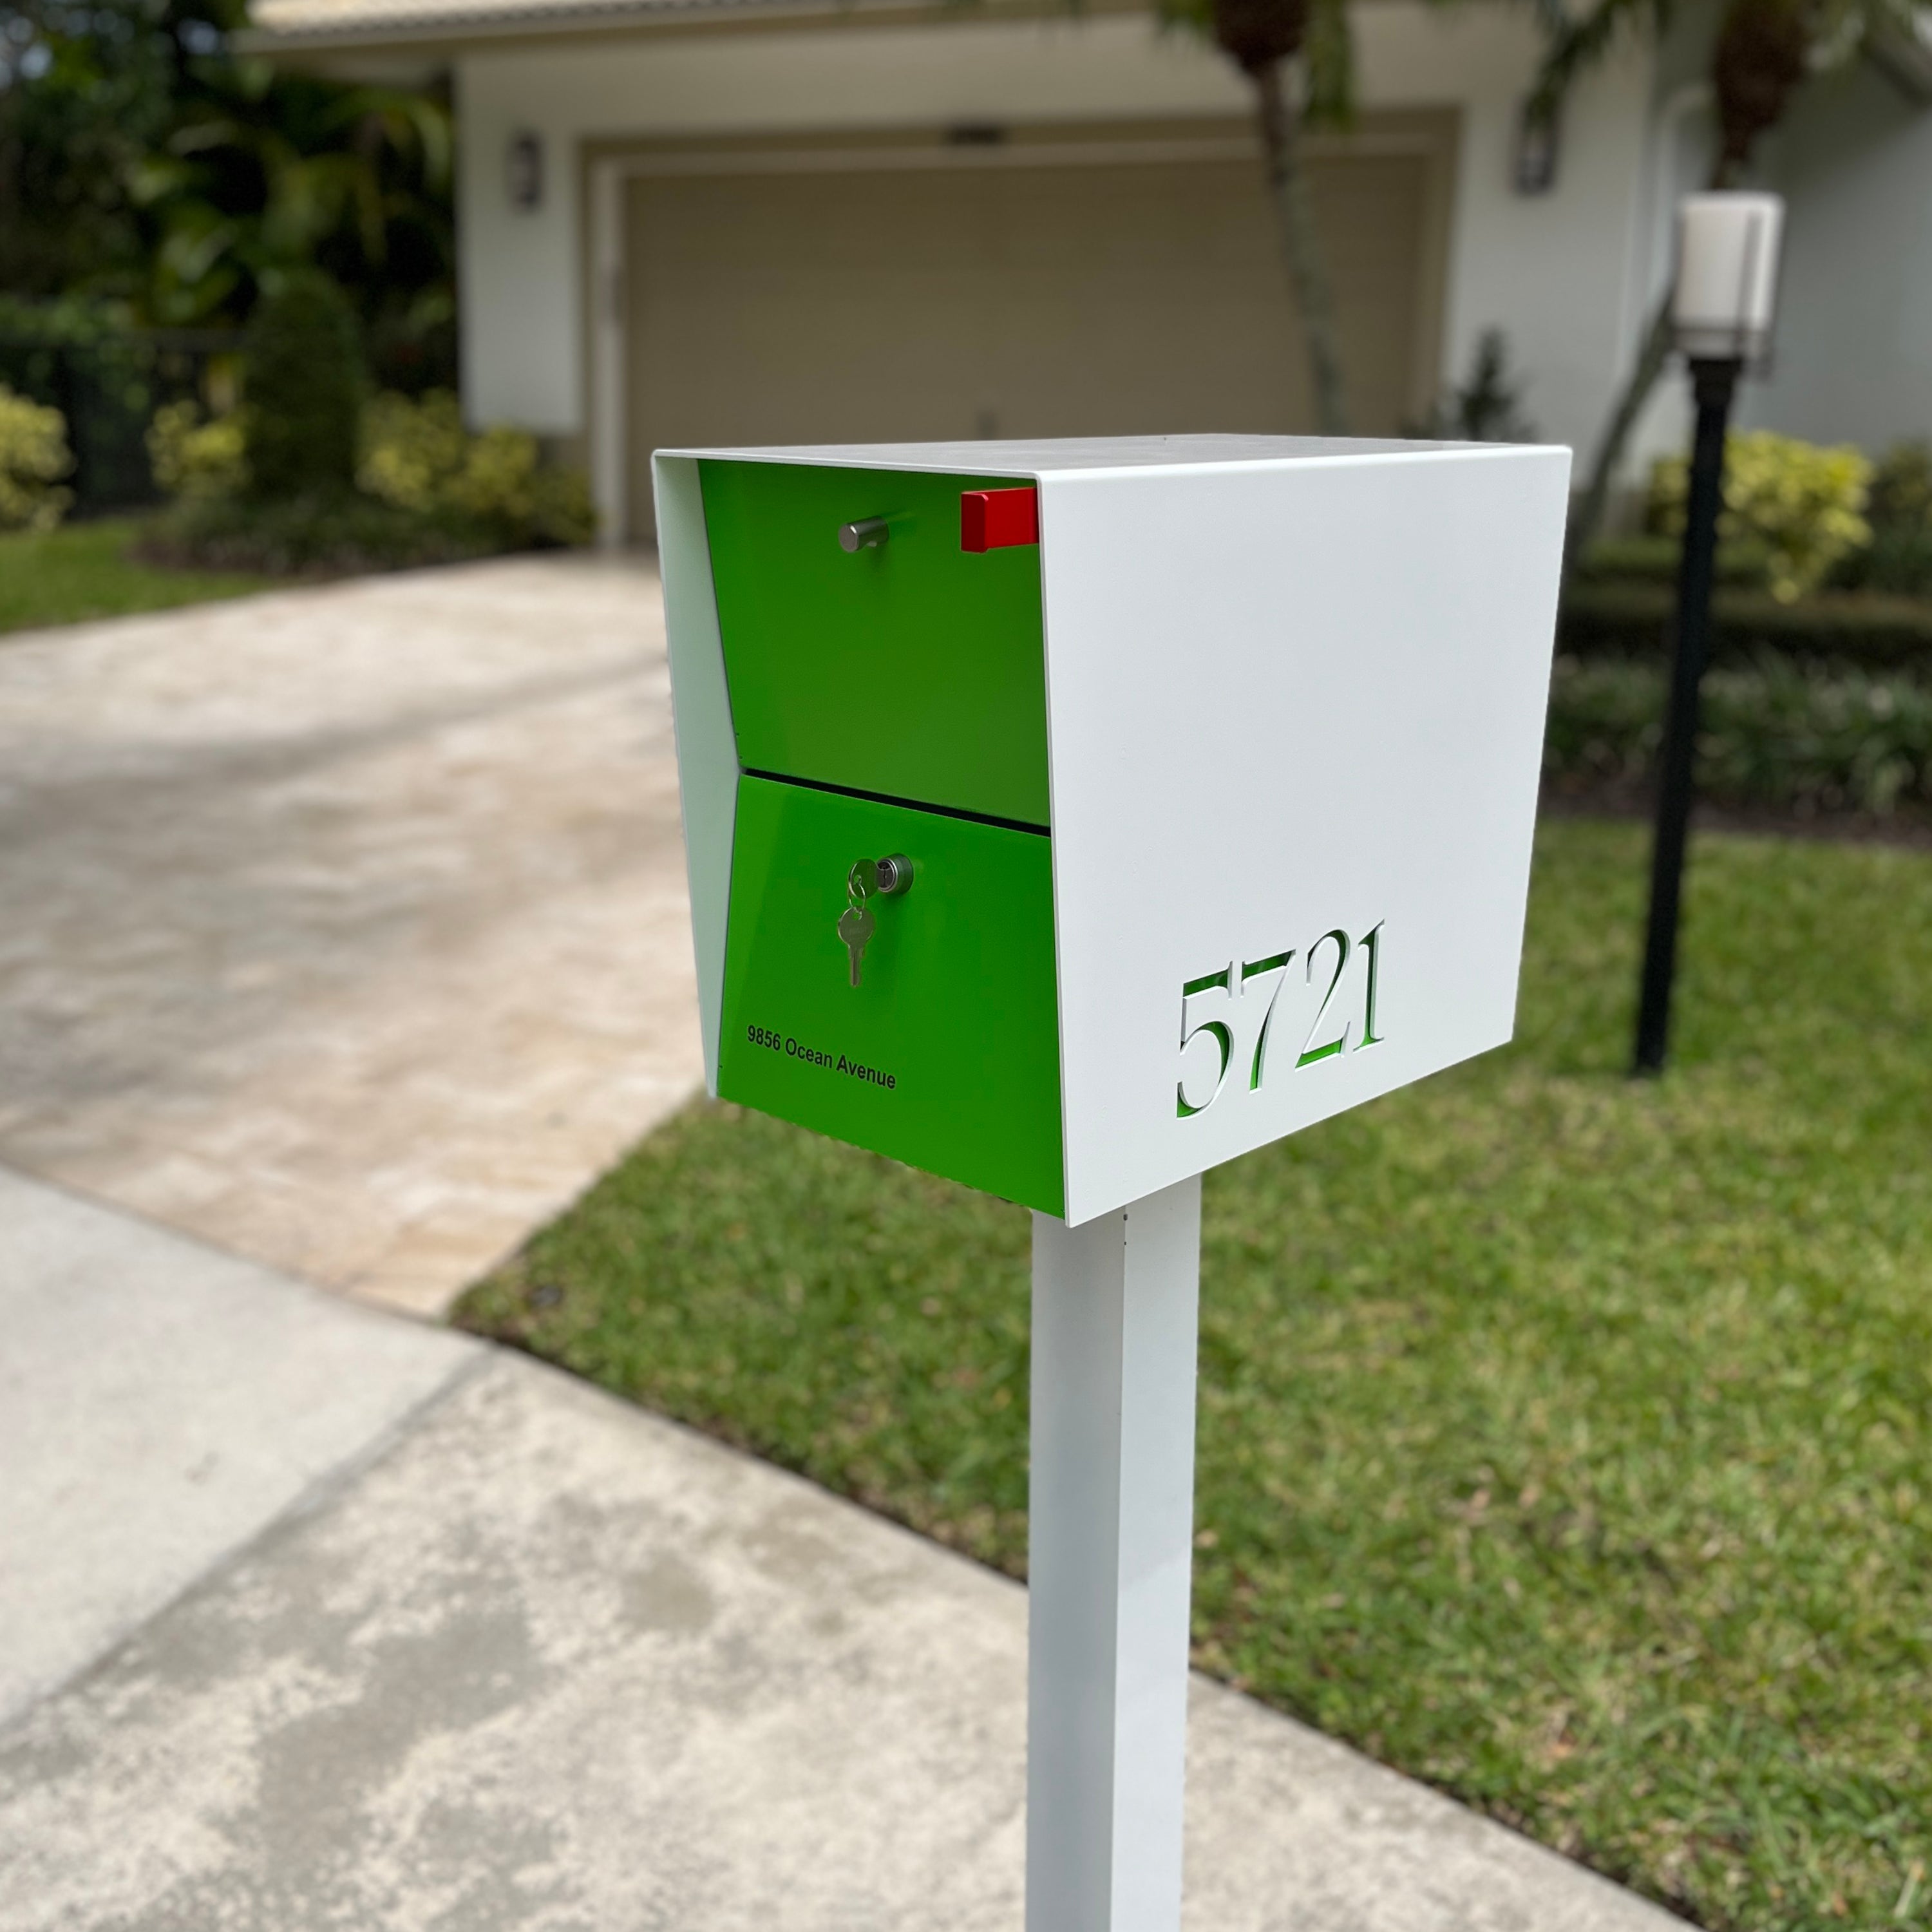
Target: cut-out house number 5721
pixel 1245 993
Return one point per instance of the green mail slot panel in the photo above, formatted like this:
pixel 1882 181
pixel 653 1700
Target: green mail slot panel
pixel 904 667
pixel 945 1054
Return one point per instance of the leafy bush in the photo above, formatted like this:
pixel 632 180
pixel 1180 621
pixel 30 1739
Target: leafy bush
pixel 1631 617
pixel 305 389
pixel 1486 408
pixel 108 376
pixel 33 459
pixel 1901 489
pixel 417 456
pixel 195 459
pixel 1804 503
pixel 1900 558
pixel 1777 732
pixel 1655 559
pixel 429 492
pixel 1897 563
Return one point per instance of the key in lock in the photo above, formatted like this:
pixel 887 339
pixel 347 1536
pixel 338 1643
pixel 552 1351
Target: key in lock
pixel 869 878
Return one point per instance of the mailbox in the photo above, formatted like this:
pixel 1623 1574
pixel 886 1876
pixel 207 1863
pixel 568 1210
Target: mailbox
pixel 1068 818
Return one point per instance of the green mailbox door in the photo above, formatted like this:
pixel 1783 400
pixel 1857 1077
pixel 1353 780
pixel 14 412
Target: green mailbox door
pixel 909 668
pixel 947 1054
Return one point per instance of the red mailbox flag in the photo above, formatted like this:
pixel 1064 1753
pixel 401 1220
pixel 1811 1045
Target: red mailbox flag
pixel 998 519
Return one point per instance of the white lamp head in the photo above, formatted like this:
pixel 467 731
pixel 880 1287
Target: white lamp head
pixel 1727 248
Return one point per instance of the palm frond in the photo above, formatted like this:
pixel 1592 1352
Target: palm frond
pixel 1580 42
pixel 1330 53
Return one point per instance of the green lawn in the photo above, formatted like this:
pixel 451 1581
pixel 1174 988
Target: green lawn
pixel 1564 1440
pixel 81 570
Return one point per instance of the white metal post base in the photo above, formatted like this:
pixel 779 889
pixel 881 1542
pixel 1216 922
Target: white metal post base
pixel 1115 1306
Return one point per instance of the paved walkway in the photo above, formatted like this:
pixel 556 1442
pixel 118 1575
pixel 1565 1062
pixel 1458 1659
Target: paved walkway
pixel 346 928
pixel 333 1621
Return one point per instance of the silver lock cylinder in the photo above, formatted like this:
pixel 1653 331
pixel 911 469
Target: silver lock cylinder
pixel 867 533
pixel 880 878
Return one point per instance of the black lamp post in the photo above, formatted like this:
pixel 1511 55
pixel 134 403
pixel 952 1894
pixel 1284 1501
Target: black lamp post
pixel 1726 280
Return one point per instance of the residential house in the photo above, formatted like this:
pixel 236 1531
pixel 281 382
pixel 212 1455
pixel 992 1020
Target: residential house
pixel 686 221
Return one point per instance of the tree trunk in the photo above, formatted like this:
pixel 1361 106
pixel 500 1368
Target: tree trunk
pixel 1757 65
pixel 1650 361
pixel 1300 247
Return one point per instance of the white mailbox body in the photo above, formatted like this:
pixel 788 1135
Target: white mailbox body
pixel 1294 697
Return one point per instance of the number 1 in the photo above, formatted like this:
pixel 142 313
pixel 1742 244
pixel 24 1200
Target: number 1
pixel 1373 940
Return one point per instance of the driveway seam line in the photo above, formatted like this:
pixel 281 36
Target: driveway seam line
pixel 102 1203
pixel 315 1495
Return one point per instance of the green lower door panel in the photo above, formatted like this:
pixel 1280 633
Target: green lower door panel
pixel 946 1055
pixel 913 668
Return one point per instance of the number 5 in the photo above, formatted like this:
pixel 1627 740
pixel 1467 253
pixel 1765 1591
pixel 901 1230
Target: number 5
pixel 1183 1107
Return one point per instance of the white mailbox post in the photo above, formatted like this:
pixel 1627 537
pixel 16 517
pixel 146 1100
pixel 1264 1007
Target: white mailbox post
pixel 1070 817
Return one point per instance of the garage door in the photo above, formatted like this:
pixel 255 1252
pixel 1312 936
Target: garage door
pixel 807 297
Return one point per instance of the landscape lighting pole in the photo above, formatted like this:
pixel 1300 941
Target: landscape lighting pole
pixel 1726 279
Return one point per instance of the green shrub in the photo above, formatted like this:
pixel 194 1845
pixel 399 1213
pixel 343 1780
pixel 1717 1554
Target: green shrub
pixel 412 450
pixel 1775 733
pixel 1901 490
pixel 196 459
pixel 417 456
pixel 429 492
pixel 85 358
pixel 305 389
pixel 1486 408
pixel 1805 504
pixel 1631 618
pixel 1899 559
pixel 1897 563
pixel 338 534
pixel 33 459
pixel 1745 561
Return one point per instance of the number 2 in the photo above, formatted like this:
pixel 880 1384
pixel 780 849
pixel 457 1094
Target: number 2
pixel 1309 1054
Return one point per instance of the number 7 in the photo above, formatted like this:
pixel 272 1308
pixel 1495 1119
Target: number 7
pixel 1254 969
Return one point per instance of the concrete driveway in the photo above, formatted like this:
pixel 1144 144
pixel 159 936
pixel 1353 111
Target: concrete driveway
pixel 345 928
pixel 342 1622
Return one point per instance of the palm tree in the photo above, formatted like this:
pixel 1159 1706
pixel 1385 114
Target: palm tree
pixel 1764 51
pixel 1264 39
pixel 264 174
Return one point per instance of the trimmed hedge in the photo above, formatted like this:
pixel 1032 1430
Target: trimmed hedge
pixel 1777 732
pixel 337 535
pixel 1630 618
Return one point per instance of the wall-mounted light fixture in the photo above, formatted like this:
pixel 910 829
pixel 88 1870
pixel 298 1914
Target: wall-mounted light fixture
pixel 1539 131
pixel 523 171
